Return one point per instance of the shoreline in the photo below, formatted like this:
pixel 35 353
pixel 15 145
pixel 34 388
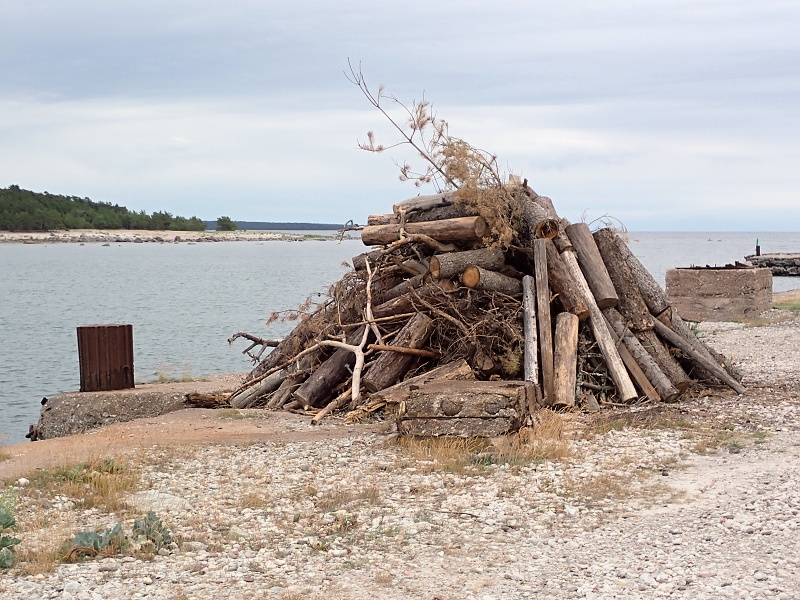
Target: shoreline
pixel 138 236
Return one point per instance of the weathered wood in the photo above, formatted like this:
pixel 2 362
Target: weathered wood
pixel 540 223
pixel 389 367
pixel 463 229
pixel 438 213
pixel 563 283
pixel 458 370
pixel 653 295
pixel 405 302
pixel 265 386
pixel 318 388
pixel 492 281
pixel 298 373
pixel 666 362
pixel 443 266
pixel 679 326
pixel 562 241
pixel 565 359
pixel 466 408
pixel 541 272
pixel 401 350
pixel 655 376
pixel 631 304
pixel 592 265
pixel 424 202
pixel 530 354
pixel 625 389
pixel 718 372
pixel 401 288
pixel 360 261
pixel 382 220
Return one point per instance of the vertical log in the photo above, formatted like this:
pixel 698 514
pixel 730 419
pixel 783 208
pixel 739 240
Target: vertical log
pixel 390 366
pixel 625 390
pixel 592 265
pixel 631 304
pixel 541 271
pixel 565 359
pixel 531 356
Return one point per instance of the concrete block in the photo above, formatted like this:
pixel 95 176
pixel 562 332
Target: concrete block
pixel 702 294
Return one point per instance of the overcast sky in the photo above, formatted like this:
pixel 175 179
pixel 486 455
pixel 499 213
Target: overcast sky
pixel 665 114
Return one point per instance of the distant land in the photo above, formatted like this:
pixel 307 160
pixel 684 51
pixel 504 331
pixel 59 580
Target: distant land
pixel 275 226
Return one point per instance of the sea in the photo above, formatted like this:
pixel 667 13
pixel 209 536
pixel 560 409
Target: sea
pixel 185 300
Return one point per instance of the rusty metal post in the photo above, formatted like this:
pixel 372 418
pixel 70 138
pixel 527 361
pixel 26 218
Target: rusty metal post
pixel 105 354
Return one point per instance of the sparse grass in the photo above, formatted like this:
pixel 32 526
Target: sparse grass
pixel 659 417
pixel 792 305
pixel 236 415
pixel 255 500
pixel 102 483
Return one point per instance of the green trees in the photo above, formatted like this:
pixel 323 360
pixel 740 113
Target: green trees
pixel 225 224
pixel 23 210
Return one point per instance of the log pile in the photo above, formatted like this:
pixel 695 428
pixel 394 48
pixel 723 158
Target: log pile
pixel 455 331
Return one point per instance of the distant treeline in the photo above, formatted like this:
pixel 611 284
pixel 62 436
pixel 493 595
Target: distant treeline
pixel 269 225
pixel 23 210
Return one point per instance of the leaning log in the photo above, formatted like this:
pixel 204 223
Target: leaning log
pixel 406 302
pixel 464 230
pixel 666 362
pixel 631 304
pixel 718 372
pixel 390 366
pixel 267 385
pixel 653 295
pixel 450 264
pixel 490 281
pixel 563 283
pixel 320 385
pixel 592 265
pixel 625 389
pixel 565 359
pixel 400 289
pixel 541 271
pixel 660 382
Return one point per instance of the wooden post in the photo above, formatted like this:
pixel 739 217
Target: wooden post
pixel 541 271
pixel 565 359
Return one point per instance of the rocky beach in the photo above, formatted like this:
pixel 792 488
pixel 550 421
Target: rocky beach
pixel 697 499
pixel 121 236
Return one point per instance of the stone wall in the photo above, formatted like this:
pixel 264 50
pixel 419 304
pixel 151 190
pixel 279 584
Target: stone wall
pixel 720 294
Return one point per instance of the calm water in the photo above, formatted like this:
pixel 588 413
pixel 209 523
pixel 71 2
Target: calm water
pixel 184 301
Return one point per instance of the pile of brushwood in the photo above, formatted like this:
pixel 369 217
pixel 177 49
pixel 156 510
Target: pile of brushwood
pixel 477 306
pixel 472 311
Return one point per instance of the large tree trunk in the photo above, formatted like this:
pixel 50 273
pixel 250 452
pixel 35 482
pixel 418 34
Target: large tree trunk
pixel 390 366
pixel 450 264
pixel 464 230
pixel 592 265
pixel 631 305
pixel 565 359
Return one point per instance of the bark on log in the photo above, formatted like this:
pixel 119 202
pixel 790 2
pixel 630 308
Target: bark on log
pixel 666 362
pixel 458 370
pixel 678 341
pixel 660 382
pixel 404 303
pixel 562 240
pixel 491 281
pixel 318 388
pixel 592 265
pixel 450 264
pixel 424 202
pixel 247 397
pixel 531 354
pixel 389 367
pixel 563 283
pixel 625 390
pixel 653 295
pixel 631 304
pixel 382 220
pixel 540 223
pixel 464 230
pixel 565 359
pixel 542 258
pixel 400 289
pixel 438 213
pixel 360 261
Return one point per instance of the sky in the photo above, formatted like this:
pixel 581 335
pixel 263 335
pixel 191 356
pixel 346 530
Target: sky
pixel 661 115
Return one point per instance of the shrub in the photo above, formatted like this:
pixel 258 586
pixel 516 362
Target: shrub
pixel 7 542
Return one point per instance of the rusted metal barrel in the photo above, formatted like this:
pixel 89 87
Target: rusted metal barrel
pixel 105 354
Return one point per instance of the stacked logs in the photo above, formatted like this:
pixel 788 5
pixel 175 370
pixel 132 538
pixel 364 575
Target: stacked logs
pixel 459 336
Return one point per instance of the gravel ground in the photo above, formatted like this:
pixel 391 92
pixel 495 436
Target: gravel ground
pixel 694 500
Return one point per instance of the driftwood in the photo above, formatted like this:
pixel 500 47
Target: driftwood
pixel 665 360
pixel 457 370
pixel 464 230
pixel 445 266
pixel 565 359
pixel 483 279
pixel 592 265
pixel 247 397
pixel 563 283
pixel 390 366
pixel 541 266
pixel 531 356
pixel 424 203
pixel 540 223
